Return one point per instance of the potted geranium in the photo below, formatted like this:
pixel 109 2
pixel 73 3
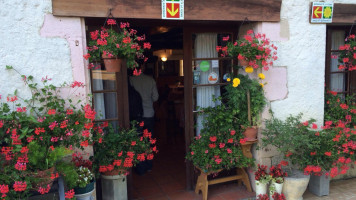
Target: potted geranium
pixel 277 179
pixel 36 133
pixel 246 101
pixel 252 50
pixel 347 57
pixel 114 44
pixel 262 178
pixel 218 146
pixel 290 137
pixel 116 152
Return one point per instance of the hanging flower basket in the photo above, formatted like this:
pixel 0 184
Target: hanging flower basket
pixel 115 42
pixel 243 62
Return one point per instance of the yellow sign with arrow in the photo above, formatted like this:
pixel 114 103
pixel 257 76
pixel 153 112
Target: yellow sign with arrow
pixel 172 9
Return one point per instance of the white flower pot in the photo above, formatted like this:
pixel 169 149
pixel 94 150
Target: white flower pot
pixel 295 185
pixel 261 188
pixel 114 187
pixel 86 196
pixel 278 187
pixel 275 187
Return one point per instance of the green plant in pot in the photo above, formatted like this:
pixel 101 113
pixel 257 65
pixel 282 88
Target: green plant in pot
pixel 37 132
pixel 308 150
pixel 245 99
pixel 116 151
pixel 78 176
pixel 219 145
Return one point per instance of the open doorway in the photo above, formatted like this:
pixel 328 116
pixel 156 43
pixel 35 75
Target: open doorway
pixel 165 65
pixel 175 111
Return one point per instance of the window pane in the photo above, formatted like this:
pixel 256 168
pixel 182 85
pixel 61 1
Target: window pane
pixel 103 80
pixel 210 70
pixel 334 62
pixel 337 82
pixel 105 105
pixel 338 39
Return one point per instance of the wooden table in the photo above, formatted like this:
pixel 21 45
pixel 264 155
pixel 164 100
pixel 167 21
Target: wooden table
pixel 203 183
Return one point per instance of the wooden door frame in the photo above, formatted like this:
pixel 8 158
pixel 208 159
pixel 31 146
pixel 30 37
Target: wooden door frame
pixel 188 88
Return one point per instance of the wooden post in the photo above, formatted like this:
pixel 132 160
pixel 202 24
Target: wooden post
pixel 249 107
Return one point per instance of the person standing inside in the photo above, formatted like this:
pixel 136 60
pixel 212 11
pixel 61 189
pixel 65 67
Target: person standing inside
pixel 145 85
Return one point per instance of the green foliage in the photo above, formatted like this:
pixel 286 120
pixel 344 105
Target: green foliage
pixel 236 100
pixel 122 148
pixel 255 48
pixel 218 146
pixel 69 173
pixel 348 54
pixel 218 119
pixel 298 143
pixel 35 133
pixel 85 177
pixel 41 158
pixel 340 107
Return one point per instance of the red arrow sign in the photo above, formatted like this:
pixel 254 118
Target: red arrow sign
pixel 317 12
pixel 172 10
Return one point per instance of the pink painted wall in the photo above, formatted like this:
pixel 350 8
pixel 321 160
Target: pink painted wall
pixel 73 30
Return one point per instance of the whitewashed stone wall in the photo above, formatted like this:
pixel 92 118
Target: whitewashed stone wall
pixel 298 76
pixel 37 52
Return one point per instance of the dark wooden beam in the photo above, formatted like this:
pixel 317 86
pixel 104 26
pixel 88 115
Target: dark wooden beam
pixel 344 13
pixel 230 10
pixel 188 104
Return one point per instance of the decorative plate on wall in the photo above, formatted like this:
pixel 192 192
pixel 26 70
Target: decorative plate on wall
pixel 213 78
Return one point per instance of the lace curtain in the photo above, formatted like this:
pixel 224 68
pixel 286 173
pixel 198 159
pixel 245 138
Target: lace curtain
pixel 205 47
pixel 337 80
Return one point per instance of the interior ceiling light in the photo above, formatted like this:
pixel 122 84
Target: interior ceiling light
pixel 164 59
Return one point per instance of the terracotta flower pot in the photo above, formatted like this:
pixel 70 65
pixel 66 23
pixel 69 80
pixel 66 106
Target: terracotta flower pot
pixel 243 62
pixel 250 133
pixel 112 64
pixel 43 177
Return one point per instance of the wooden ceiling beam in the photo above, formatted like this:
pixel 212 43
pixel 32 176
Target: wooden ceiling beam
pixel 344 13
pixel 228 10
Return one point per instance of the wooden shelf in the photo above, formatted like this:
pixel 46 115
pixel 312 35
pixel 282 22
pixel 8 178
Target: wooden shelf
pixel 204 85
pixel 219 58
pixel 241 175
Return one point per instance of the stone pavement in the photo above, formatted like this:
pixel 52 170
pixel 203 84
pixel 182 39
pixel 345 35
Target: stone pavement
pixel 339 190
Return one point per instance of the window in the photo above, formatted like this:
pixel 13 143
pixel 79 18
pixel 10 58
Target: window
pixel 104 89
pixel 341 81
pixel 210 72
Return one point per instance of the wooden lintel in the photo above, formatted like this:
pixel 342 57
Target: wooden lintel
pixel 344 13
pixel 228 10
